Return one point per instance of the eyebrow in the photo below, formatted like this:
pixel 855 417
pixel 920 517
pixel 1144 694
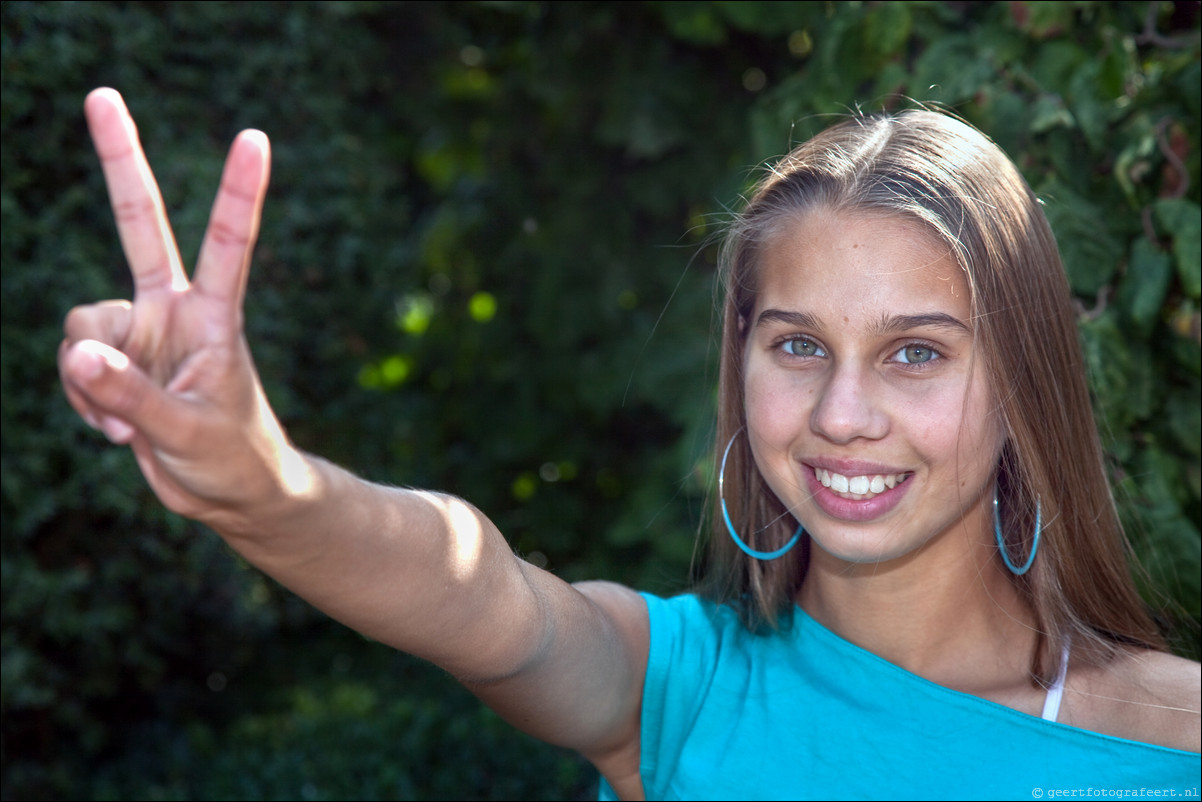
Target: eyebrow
pixel 888 324
pixel 801 320
pixel 930 320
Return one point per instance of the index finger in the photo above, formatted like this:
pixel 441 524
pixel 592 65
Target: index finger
pixel 137 204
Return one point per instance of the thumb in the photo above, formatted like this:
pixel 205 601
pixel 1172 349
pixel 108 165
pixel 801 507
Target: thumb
pixel 110 392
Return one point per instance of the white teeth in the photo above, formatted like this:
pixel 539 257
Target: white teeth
pixel 859 487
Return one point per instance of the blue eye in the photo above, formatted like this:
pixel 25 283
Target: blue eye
pixel 915 354
pixel 801 346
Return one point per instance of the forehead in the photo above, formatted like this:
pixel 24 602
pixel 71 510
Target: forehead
pixel 856 267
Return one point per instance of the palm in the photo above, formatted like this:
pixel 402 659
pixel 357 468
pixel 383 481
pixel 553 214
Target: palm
pixel 170 374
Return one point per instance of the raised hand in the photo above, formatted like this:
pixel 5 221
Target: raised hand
pixel 170 374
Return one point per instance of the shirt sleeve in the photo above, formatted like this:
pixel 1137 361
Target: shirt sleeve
pixel 685 639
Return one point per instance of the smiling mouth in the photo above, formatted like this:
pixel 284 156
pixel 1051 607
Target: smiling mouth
pixel 859 488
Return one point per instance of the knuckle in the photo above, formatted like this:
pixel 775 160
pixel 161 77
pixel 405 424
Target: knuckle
pixel 236 191
pixel 135 210
pixel 226 235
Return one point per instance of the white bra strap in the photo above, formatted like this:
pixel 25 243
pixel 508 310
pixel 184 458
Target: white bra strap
pixel 1051 704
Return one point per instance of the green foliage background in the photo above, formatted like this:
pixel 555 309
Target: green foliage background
pixel 486 267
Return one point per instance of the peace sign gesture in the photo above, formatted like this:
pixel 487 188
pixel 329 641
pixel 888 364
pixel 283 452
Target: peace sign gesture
pixel 170 374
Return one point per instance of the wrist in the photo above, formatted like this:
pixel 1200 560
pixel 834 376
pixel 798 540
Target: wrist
pixel 287 504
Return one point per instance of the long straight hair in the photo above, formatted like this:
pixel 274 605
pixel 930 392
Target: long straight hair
pixel 946 176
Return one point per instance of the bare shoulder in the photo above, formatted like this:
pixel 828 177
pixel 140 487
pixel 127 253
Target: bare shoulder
pixel 1140 695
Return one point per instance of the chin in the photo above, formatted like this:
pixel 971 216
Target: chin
pixel 864 550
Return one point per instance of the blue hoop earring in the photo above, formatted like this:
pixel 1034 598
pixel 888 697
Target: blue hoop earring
pixel 759 555
pixel 1001 544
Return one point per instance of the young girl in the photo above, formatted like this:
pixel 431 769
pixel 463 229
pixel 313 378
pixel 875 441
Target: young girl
pixel 917 584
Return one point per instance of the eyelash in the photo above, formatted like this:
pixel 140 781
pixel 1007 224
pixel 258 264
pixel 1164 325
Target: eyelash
pixel 935 354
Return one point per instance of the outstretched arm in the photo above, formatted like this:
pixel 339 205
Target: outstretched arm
pixel 170 374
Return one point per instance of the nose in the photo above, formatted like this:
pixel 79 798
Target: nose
pixel 849 405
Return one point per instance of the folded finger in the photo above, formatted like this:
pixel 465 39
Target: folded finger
pixel 75 398
pixel 107 321
pixel 224 261
pixel 137 204
pixel 113 394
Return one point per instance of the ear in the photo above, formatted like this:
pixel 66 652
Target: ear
pixel 742 325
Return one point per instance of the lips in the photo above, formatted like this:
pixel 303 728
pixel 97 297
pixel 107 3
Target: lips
pixel 833 486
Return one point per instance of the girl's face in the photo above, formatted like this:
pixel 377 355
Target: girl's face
pixel 868 413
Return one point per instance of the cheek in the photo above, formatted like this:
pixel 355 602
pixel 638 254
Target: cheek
pixel 952 423
pixel 979 437
pixel 776 405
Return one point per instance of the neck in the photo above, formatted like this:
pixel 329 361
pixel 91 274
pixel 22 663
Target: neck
pixel 948 612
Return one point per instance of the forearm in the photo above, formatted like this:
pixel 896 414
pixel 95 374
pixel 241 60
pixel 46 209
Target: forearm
pixel 423 572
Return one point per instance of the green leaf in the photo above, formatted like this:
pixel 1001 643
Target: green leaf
pixel 887 28
pixel 950 71
pixel 1091 253
pixel 1056 62
pixel 1048 17
pixel 1120 375
pixel 1049 112
pixel 694 22
pixel 1089 109
pixel 1133 163
pixel 1184 422
pixel 768 18
pixel 1142 290
pixel 1168 544
pixel 1183 221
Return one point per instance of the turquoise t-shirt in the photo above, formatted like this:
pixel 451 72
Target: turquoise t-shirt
pixel 804 714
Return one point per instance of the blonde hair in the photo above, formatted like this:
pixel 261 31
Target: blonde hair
pixel 941 172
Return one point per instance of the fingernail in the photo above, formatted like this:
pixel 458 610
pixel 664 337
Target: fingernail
pixel 117 431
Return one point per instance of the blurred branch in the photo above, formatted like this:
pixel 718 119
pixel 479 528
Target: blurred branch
pixel 1150 36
